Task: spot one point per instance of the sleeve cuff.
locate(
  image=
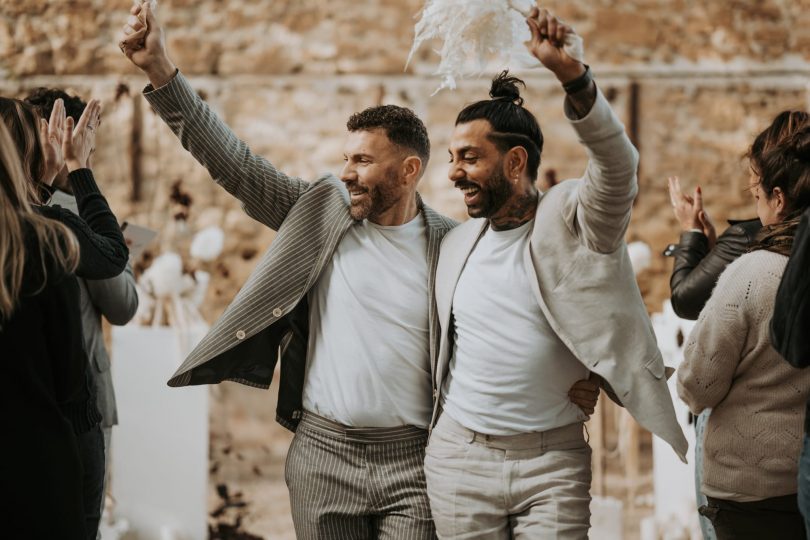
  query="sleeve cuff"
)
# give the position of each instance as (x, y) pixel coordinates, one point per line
(170, 97)
(149, 88)
(600, 123)
(693, 238)
(82, 183)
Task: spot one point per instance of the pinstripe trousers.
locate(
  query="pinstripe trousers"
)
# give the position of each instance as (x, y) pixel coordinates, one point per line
(358, 483)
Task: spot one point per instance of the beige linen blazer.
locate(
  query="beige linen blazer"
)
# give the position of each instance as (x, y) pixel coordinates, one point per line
(584, 282)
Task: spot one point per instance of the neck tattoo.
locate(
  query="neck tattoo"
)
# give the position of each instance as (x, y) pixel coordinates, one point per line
(517, 212)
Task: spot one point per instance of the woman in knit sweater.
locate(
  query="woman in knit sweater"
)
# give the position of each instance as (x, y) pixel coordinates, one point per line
(45, 399)
(754, 434)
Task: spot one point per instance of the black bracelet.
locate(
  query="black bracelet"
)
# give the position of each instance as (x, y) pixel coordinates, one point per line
(580, 83)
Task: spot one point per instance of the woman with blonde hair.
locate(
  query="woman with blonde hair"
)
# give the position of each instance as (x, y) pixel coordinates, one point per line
(44, 397)
(754, 434)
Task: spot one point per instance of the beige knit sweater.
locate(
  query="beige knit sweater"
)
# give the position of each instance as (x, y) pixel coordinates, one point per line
(753, 437)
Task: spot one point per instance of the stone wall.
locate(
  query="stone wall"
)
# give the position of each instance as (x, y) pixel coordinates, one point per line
(693, 82)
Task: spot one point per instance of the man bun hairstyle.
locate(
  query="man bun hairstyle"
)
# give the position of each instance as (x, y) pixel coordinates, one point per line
(512, 124)
(42, 99)
(787, 166)
(401, 125)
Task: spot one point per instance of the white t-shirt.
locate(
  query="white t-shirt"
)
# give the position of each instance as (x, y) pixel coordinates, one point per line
(368, 361)
(509, 372)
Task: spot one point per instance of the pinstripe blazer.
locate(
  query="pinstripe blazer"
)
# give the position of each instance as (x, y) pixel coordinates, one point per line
(268, 319)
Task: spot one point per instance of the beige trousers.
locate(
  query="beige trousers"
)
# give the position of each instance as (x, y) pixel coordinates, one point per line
(529, 486)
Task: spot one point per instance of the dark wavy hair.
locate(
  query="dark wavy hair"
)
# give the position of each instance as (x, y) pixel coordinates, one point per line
(401, 125)
(42, 99)
(512, 124)
(787, 166)
(784, 125)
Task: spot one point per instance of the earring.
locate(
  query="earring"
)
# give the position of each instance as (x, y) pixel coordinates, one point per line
(516, 179)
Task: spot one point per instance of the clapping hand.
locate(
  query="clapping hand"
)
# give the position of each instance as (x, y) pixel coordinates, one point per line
(51, 133)
(79, 142)
(689, 210)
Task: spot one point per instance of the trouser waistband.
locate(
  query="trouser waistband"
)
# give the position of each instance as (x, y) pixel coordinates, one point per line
(521, 441)
(361, 434)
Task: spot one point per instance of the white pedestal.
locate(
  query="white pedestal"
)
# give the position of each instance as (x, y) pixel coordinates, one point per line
(160, 447)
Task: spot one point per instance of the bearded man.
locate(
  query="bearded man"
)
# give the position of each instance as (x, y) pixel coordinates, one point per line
(534, 293)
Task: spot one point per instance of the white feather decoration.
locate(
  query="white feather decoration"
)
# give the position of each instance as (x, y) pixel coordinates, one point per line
(640, 256)
(165, 276)
(475, 32)
(207, 244)
(196, 296)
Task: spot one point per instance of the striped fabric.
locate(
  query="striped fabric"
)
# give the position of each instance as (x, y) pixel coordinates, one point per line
(310, 218)
(358, 483)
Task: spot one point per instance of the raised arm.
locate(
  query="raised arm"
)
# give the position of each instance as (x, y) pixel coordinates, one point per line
(605, 196)
(266, 193)
(103, 251)
(697, 268)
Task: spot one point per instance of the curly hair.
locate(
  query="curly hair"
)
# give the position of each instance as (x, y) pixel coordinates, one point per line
(401, 125)
(42, 99)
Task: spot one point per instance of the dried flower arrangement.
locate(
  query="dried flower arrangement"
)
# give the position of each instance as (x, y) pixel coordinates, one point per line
(173, 284)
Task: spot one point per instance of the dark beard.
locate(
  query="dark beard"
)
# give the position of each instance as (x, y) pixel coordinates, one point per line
(380, 199)
(494, 196)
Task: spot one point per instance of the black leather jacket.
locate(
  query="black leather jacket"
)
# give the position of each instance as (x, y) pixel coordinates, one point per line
(696, 268)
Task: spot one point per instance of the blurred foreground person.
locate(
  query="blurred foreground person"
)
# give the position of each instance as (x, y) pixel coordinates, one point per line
(701, 256)
(42, 363)
(46, 148)
(344, 296)
(116, 299)
(754, 433)
(789, 334)
(534, 293)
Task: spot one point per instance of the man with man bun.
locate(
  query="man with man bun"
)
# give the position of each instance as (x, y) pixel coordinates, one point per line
(534, 293)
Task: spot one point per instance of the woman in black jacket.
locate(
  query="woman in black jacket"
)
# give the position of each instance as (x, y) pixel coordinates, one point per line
(700, 256)
(45, 383)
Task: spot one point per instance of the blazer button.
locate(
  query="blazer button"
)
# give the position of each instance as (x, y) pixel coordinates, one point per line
(277, 312)
(240, 334)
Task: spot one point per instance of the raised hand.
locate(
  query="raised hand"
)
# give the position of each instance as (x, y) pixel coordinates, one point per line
(548, 38)
(79, 143)
(144, 44)
(51, 133)
(684, 206)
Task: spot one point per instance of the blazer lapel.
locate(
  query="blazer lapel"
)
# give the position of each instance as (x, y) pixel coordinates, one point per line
(436, 229)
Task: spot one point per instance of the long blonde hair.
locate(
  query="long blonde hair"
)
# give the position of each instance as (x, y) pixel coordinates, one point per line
(55, 241)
